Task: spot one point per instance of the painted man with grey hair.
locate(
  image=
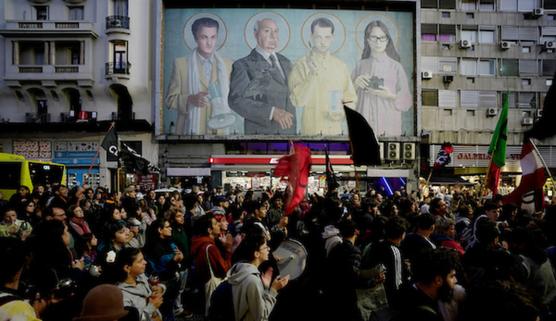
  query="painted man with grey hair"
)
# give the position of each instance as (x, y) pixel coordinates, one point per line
(259, 85)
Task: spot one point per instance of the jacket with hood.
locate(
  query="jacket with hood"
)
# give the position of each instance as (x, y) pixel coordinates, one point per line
(252, 302)
(220, 262)
(331, 237)
(138, 296)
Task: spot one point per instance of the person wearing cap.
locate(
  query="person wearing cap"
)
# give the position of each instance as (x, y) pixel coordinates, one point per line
(103, 303)
(137, 233)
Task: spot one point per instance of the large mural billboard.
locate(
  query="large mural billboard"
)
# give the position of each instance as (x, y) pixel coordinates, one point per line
(287, 71)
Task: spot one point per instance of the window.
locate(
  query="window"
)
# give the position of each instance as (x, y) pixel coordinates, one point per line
(486, 36)
(120, 57)
(528, 67)
(487, 98)
(42, 12)
(447, 98)
(447, 4)
(548, 67)
(548, 34)
(549, 4)
(508, 33)
(469, 34)
(429, 97)
(428, 32)
(527, 5)
(429, 4)
(512, 96)
(469, 99)
(447, 33)
(75, 13)
(468, 67)
(486, 67)
(508, 5)
(486, 5)
(509, 67)
(526, 100)
(468, 5)
(120, 8)
(447, 65)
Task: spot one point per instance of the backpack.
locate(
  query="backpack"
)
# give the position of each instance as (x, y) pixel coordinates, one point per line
(222, 303)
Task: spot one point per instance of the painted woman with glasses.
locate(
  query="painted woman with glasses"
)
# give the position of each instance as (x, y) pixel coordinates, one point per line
(381, 82)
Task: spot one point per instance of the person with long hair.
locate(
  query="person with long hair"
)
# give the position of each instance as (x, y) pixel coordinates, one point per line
(381, 82)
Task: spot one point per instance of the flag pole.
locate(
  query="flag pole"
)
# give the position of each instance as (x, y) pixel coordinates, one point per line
(98, 152)
(541, 158)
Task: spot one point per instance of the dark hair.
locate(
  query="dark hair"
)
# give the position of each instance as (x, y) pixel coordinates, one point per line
(323, 23)
(14, 252)
(202, 224)
(245, 252)
(395, 227)
(432, 263)
(434, 205)
(390, 49)
(424, 221)
(203, 22)
(125, 256)
(114, 227)
(347, 228)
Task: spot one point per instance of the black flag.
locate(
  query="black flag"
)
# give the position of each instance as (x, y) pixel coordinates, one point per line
(364, 146)
(133, 161)
(544, 127)
(331, 181)
(110, 142)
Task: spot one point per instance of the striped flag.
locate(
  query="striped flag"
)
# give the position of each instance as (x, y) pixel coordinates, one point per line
(497, 148)
(529, 193)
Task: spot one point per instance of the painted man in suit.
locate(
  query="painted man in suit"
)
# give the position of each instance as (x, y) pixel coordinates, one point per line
(259, 86)
(196, 79)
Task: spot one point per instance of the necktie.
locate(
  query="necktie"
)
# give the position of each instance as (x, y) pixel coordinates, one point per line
(275, 68)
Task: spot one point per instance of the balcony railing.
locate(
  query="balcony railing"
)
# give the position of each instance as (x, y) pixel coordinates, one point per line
(30, 69)
(60, 69)
(121, 22)
(121, 68)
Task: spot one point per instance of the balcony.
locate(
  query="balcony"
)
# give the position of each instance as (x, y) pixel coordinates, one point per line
(81, 73)
(118, 70)
(118, 24)
(57, 28)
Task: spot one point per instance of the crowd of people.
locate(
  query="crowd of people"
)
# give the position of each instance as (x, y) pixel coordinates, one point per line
(450, 255)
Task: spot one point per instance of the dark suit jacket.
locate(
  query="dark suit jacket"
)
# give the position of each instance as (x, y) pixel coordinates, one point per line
(254, 90)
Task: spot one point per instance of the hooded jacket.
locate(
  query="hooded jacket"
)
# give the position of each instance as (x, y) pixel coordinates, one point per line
(137, 296)
(252, 302)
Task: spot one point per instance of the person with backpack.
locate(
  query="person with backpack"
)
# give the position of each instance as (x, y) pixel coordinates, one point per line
(253, 293)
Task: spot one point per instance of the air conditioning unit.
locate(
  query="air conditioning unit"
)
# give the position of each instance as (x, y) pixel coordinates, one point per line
(505, 45)
(464, 44)
(392, 151)
(426, 75)
(538, 113)
(408, 151)
(527, 121)
(492, 111)
(549, 45)
(537, 12)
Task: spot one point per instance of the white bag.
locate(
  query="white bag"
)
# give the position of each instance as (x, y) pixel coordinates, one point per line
(211, 284)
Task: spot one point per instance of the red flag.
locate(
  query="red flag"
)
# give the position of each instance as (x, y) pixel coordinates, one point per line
(296, 167)
(532, 181)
